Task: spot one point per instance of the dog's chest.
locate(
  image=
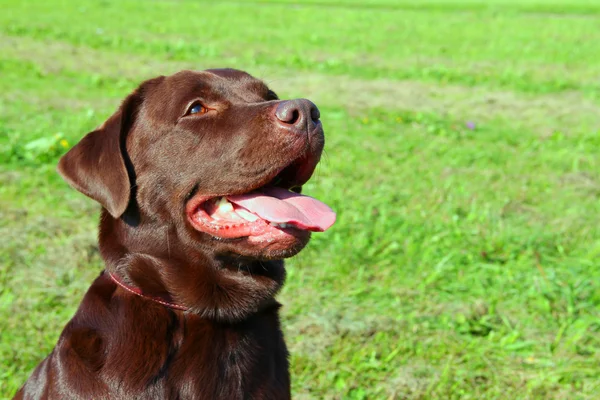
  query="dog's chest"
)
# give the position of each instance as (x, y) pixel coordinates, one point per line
(199, 359)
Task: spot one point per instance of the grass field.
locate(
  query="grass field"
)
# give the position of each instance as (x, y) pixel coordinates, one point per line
(462, 158)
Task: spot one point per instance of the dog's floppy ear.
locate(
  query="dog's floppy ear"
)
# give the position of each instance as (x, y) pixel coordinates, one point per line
(96, 165)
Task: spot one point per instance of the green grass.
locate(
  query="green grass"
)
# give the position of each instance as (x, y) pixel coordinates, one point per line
(464, 263)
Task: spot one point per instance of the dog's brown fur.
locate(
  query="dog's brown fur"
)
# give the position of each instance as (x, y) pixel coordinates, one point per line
(143, 165)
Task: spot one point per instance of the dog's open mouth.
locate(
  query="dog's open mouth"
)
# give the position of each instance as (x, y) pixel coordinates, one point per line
(269, 212)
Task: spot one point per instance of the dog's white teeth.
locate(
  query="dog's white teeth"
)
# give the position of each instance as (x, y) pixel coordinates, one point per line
(224, 206)
(247, 215)
(280, 225)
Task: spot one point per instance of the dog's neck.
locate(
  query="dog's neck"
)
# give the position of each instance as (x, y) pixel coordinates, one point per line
(221, 288)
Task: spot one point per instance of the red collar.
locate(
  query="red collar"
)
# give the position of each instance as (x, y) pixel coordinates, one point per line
(138, 292)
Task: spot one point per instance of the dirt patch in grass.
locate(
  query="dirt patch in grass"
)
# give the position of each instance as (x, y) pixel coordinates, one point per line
(583, 182)
(568, 112)
(541, 113)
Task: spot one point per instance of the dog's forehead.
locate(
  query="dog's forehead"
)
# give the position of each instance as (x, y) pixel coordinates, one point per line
(225, 83)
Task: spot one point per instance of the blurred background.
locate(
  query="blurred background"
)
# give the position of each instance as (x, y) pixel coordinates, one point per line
(462, 159)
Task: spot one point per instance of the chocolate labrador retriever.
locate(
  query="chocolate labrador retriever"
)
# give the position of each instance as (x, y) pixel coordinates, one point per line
(199, 176)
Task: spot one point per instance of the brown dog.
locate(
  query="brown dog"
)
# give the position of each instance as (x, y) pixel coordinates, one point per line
(194, 173)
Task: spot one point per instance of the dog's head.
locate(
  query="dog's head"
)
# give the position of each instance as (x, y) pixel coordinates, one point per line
(214, 154)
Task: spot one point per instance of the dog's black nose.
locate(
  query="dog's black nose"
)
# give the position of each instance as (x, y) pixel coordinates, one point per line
(300, 114)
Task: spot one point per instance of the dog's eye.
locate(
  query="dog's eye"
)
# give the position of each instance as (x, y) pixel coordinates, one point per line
(197, 108)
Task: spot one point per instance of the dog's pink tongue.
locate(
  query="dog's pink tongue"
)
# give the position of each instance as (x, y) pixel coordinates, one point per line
(281, 206)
